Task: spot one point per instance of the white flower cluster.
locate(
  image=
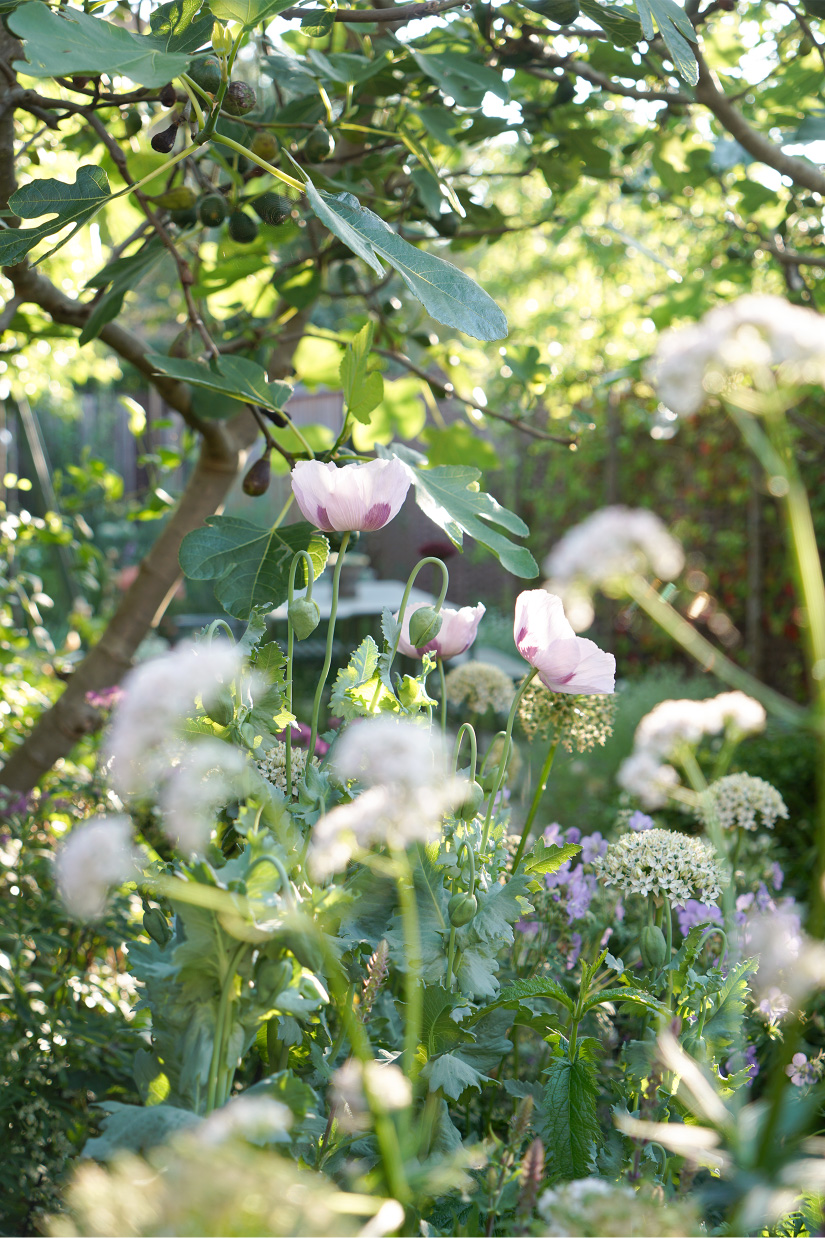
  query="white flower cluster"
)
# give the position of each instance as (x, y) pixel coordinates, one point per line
(96, 856)
(260, 1119)
(388, 1086)
(612, 544)
(272, 766)
(751, 334)
(479, 686)
(672, 724)
(740, 801)
(791, 964)
(205, 777)
(403, 768)
(663, 862)
(594, 1207)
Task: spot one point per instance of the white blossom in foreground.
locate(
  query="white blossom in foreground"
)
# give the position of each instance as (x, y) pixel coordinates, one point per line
(159, 695)
(751, 334)
(643, 775)
(612, 544)
(206, 777)
(740, 801)
(663, 862)
(596, 1206)
(408, 789)
(96, 856)
(738, 712)
(791, 964)
(388, 1087)
(260, 1119)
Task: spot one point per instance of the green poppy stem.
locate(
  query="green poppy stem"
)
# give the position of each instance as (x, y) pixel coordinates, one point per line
(505, 752)
(319, 691)
(541, 786)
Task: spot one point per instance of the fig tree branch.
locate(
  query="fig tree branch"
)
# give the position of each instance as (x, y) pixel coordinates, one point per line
(401, 13)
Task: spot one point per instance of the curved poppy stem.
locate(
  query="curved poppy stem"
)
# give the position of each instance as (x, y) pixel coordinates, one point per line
(333, 611)
(445, 580)
(505, 753)
(467, 729)
(440, 664)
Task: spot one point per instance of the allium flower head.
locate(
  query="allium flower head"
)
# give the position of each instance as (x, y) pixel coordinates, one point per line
(479, 686)
(663, 862)
(740, 801)
(751, 334)
(642, 774)
(159, 695)
(612, 544)
(387, 1085)
(738, 712)
(457, 633)
(272, 766)
(96, 856)
(356, 497)
(671, 724)
(578, 722)
(565, 662)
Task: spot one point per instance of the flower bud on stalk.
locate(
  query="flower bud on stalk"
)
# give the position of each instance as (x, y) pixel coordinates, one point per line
(304, 616)
(520, 1122)
(462, 908)
(425, 624)
(472, 802)
(653, 946)
(157, 926)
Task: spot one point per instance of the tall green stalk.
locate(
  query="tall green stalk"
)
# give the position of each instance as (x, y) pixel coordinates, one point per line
(319, 691)
(310, 573)
(541, 787)
(505, 753)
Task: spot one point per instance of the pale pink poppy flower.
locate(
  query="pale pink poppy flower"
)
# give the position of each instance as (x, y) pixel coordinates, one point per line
(565, 662)
(359, 497)
(457, 633)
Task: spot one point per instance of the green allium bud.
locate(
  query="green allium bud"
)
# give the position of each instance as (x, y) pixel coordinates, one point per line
(304, 616)
(425, 624)
(653, 946)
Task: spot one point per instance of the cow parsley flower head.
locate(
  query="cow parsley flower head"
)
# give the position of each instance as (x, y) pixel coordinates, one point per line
(479, 686)
(388, 1086)
(207, 775)
(791, 964)
(578, 722)
(96, 856)
(737, 712)
(669, 725)
(646, 777)
(754, 333)
(158, 696)
(663, 862)
(260, 1119)
(740, 801)
(596, 1206)
(611, 545)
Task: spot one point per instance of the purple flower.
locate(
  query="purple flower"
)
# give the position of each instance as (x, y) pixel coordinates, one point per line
(573, 835)
(565, 662)
(740, 1061)
(593, 845)
(559, 877)
(580, 891)
(356, 497)
(575, 950)
(528, 928)
(106, 698)
(694, 913)
(553, 834)
(301, 734)
(777, 877)
(641, 821)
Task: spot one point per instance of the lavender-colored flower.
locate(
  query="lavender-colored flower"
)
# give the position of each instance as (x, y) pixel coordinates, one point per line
(553, 834)
(639, 821)
(592, 845)
(580, 891)
(777, 877)
(573, 834)
(574, 951)
(694, 913)
(357, 497)
(565, 662)
(457, 633)
(528, 928)
(106, 697)
(741, 1061)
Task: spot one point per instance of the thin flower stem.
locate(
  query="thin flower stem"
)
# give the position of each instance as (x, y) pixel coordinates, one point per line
(316, 707)
(440, 664)
(467, 729)
(541, 787)
(310, 571)
(502, 765)
(450, 958)
(215, 1065)
(413, 992)
(445, 580)
(668, 923)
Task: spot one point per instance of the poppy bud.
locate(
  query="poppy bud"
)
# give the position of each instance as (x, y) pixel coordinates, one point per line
(472, 802)
(653, 946)
(425, 624)
(304, 616)
(156, 925)
(461, 909)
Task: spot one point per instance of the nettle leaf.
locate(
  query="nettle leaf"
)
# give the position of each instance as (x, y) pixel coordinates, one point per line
(247, 12)
(249, 564)
(135, 1128)
(623, 27)
(632, 996)
(181, 25)
(524, 990)
(446, 293)
(548, 859)
(124, 274)
(445, 494)
(363, 391)
(566, 1120)
(235, 376)
(69, 204)
(723, 1025)
(677, 31)
(59, 45)
(452, 1076)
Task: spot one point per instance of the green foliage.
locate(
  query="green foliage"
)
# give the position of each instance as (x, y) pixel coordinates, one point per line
(567, 1121)
(235, 376)
(69, 204)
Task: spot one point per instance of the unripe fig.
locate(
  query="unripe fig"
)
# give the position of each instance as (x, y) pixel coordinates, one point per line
(242, 228)
(446, 225)
(212, 210)
(304, 616)
(319, 145)
(653, 946)
(471, 804)
(461, 909)
(180, 199)
(258, 477)
(425, 624)
(168, 95)
(157, 926)
(206, 72)
(221, 707)
(239, 99)
(164, 141)
(272, 208)
(264, 145)
(132, 122)
(184, 219)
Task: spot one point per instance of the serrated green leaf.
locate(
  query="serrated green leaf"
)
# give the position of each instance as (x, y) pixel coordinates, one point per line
(446, 293)
(69, 204)
(623, 994)
(566, 1120)
(181, 25)
(723, 1024)
(250, 565)
(362, 391)
(676, 30)
(621, 24)
(548, 859)
(452, 1076)
(234, 376)
(59, 45)
(444, 494)
(541, 986)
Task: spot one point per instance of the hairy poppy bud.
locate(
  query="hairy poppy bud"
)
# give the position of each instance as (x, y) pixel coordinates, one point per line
(472, 802)
(653, 946)
(304, 616)
(425, 624)
(156, 925)
(461, 909)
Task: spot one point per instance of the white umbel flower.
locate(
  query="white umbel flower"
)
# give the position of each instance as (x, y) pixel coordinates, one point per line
(663, 862)
(791, 964)
(260, 1119)
(750, 334)
(672, 723)
(612, 544)
(97, 856)
(740, 801)
(207, 776)
(388, 1086)
(642, 774)
(384, 751)
(738, 712)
